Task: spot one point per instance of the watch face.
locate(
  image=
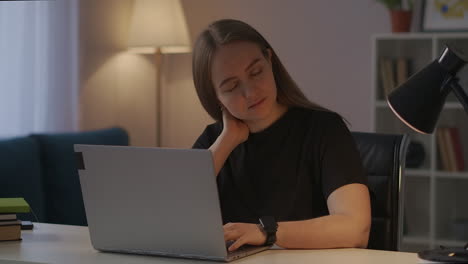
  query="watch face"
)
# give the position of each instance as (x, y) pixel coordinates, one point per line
(269, 223)
(270, 227)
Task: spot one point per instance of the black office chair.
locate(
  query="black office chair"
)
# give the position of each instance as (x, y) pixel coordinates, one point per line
(383, 156)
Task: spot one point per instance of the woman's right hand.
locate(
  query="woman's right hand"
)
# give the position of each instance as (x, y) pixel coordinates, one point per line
(234, 133)
(234, 129)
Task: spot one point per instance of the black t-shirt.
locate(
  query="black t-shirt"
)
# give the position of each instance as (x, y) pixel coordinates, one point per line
(287, 170)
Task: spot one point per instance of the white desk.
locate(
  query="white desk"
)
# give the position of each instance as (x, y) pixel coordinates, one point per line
(71, 244)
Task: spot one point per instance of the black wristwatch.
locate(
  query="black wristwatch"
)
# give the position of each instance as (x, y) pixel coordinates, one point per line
(269, 227)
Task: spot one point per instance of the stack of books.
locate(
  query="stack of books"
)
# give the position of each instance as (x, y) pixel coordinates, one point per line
(10, 226)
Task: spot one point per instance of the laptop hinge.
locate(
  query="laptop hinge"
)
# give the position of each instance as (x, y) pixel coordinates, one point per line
(79, 160)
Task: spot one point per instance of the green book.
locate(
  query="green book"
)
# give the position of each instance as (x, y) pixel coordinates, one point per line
(13, 205)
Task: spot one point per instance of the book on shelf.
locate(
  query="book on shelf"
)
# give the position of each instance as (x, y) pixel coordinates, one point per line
(393, 72)
(450, 149)
(455, 139)
(402, 71)
(386, 75)
(442, 149)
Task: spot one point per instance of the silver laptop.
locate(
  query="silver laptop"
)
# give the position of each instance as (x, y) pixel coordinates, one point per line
(153, 201)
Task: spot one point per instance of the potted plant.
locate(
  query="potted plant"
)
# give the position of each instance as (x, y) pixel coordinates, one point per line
(400, 14)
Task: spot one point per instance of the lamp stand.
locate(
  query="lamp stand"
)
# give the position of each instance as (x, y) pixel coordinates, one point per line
(158, 58)
(446, 255)
(452, 254)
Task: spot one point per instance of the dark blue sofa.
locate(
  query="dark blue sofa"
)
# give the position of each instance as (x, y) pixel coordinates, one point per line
(42, 169)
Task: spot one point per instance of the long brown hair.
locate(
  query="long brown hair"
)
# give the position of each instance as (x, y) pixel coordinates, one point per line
(225, 31)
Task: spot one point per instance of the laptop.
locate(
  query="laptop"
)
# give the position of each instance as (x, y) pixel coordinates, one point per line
(153, 201)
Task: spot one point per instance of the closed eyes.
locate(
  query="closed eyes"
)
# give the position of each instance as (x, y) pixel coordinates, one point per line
(235, 84)
(257, 72)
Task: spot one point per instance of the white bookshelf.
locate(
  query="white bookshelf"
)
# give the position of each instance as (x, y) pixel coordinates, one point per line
(434, 198)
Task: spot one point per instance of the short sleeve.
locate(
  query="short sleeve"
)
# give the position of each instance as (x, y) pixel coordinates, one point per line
(208, 137)
(340, 159)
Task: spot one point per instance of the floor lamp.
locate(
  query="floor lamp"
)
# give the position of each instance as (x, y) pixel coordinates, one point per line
(158, 27)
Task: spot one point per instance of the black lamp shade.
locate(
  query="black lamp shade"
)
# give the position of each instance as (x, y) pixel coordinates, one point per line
(419, 101)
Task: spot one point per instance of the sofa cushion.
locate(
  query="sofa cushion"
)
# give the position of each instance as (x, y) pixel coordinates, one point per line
(20, 175)
(64, 201)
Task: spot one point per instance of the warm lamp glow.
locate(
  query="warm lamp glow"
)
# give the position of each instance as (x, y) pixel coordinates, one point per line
(158, 24)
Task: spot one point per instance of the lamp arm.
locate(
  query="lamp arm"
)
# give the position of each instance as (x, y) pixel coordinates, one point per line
(460, 94)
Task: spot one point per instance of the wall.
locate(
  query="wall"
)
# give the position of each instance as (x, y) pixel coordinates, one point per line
(102, 37)
(117, 88)
(325, 46)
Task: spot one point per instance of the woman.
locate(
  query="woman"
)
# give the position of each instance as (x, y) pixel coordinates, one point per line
(276, 154)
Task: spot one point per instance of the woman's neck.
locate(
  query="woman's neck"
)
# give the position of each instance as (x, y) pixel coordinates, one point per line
(261, 124)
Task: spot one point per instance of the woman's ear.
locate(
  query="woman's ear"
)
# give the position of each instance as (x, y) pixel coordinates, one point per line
(220, 105)
(268, 54)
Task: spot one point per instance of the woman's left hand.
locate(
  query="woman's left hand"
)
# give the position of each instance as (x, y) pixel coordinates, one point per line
(243, 233)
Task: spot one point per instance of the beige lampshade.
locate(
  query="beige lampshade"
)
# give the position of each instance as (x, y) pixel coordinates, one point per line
(158, 24)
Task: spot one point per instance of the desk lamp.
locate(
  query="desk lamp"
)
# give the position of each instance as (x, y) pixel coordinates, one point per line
(418, 103)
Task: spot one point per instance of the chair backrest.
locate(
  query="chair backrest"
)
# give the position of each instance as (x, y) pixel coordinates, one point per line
(383, 156)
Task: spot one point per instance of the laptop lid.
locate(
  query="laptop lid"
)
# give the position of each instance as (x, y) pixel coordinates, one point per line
(152, 200)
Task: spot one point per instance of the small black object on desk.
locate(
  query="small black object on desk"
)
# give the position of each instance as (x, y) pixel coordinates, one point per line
(26, 225)
(448, 255)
